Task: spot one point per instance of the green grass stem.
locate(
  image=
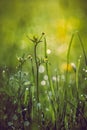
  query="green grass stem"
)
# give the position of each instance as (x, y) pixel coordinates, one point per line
(83, 49)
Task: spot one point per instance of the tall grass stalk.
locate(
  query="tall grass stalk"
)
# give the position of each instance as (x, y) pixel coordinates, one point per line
(59, 103)
(66, 80)
(66, 74)
(83, 49)
(20, 67)
(77, 80)
(69, 48)
(37, 72)
(76, 74)
(73, 106)
(47, 68)
(51, 85)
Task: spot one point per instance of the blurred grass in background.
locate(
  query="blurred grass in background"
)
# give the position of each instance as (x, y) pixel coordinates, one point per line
(57, 18)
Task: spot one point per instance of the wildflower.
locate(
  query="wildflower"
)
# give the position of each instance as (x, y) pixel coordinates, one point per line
(45, 77)
(63, 77)
(73, 66)
(47, 109)
(69, 67)
(50, 93)
(86, 71)
(48, 51)
(81, 95)
(54, 78)
(27, 89)
(26, 84)
(3, 73)
(41, 69)
(43, 82)
(38, 105)
(85, 78)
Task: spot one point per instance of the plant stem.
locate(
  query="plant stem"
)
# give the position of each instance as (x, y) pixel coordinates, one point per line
(82, 48)
(45, 47)
(66, 78)
(37, 74)
(68, 52)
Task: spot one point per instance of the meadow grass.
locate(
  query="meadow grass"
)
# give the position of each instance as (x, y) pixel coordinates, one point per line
(40, 99)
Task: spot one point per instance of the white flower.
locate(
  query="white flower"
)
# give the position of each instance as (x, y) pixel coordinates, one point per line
(27, 83)
(81, 95)
(86, 71)
(63, 77)
(47, 109)
(38, 105)
(54, 78)
(27, 89)
(73, 66)
(45, 77)
(50, 93)
(48, 51)
(43, 82)
(41, 69)
(85, 78)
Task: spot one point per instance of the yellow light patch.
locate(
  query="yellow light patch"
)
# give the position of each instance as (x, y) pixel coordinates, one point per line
(65, 27)
(68, 67)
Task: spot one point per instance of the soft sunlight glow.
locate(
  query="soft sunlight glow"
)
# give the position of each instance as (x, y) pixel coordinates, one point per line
(65, 27)
(70, 67)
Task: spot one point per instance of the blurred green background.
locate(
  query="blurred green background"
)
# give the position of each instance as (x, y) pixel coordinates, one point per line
(57, 18)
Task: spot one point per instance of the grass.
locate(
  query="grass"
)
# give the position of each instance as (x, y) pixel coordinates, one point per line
(39, 99)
